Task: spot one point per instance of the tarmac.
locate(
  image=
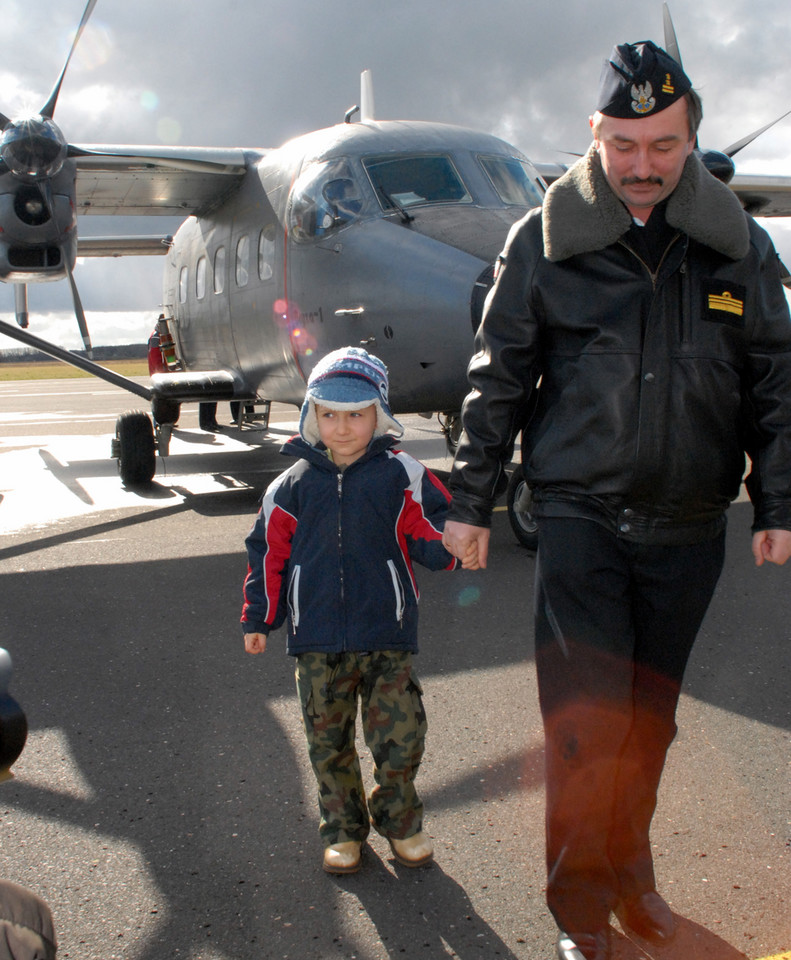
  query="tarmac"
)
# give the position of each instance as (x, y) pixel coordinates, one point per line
(163, 805)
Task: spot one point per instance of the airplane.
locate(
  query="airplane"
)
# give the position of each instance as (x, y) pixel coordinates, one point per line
(369, 232)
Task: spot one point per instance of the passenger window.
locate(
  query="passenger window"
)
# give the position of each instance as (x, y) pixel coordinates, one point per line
(409, 180)
(200, 278)
(243, 261)
(512, 180)
(266, 252)
(325, 198)
(183, 280)
(219, 270)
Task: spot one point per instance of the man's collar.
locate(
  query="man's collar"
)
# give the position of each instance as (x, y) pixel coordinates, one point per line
(582, 214)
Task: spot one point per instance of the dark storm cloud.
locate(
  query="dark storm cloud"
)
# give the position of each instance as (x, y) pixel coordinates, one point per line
(258, 73)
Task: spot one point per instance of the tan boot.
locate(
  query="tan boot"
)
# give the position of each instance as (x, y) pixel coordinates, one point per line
(413, 851)
(343, 857)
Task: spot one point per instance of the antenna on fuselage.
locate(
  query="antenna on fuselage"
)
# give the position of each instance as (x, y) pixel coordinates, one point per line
(366, 97)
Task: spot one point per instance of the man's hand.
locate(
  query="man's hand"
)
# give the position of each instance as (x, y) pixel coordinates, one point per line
(771, 545)
(255, 642)
(467, 542)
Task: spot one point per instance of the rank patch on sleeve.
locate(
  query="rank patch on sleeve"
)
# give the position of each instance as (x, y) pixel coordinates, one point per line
(724, 303)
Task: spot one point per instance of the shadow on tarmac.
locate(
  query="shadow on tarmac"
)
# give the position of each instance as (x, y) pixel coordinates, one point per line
(192, 752)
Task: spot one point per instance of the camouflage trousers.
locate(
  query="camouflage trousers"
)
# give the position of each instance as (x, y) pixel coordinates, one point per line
(329, 687)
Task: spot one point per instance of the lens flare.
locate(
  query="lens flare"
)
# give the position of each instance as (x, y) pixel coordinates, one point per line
(469, 596)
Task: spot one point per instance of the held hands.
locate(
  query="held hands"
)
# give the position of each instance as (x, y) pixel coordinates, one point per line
(470, 559)
(467, 542)
(255, 642)
(772, 545)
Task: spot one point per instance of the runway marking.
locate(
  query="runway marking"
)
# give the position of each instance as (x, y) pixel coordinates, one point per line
(779, 956)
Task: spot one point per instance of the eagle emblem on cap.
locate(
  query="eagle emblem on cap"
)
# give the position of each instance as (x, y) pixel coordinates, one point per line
(643, 100)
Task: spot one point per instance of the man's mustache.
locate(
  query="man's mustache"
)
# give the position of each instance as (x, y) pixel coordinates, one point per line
(637, 181)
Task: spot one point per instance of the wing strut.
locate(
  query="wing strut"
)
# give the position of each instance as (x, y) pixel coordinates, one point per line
(75, 360)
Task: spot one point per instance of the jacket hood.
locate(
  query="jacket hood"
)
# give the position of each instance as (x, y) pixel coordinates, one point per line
(582, 214)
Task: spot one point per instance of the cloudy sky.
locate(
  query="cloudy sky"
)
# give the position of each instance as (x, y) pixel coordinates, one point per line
(255, 73)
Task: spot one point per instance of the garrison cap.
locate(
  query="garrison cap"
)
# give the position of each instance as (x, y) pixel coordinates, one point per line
(638, 80)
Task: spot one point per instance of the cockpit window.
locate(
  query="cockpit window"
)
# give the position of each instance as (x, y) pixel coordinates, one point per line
(325, 198)
(406, 181)
(512, 180)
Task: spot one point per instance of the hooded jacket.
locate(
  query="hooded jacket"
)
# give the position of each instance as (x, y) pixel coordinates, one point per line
(331, 551)
(653, 382)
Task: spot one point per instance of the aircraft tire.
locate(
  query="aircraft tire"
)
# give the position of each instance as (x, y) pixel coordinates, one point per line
(164, 410)
(136, 449)
(519, 500)
(452, 430)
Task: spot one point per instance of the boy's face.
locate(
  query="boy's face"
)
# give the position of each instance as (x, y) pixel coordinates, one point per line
(346, 433)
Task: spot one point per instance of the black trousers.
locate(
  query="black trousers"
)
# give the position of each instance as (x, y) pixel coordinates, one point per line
(615, 625)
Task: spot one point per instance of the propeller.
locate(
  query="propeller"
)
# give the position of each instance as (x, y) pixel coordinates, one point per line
(717, 162)
(49, 106)
(34, 149)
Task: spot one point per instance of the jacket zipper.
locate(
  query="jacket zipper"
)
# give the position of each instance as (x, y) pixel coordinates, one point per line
(340, 548)
(652, 274)
(685, 319)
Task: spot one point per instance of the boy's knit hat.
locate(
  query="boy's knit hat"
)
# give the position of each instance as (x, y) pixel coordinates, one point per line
(348, 379)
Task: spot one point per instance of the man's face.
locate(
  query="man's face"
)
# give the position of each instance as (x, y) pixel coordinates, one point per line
(643, 158)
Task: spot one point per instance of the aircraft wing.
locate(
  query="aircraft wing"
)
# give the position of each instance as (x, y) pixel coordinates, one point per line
(150, 181)
(762, 195)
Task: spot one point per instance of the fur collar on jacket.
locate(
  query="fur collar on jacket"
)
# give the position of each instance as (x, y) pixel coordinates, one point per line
(582, 214)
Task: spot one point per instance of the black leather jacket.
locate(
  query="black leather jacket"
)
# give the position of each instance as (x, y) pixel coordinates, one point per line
(653, 383)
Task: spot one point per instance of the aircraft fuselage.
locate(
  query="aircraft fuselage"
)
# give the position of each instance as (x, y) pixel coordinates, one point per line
(379, 233)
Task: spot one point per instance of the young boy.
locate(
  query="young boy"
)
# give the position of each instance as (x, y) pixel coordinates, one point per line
(331, 551)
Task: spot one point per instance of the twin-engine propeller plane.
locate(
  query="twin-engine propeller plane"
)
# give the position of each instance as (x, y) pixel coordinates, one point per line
(369, 232)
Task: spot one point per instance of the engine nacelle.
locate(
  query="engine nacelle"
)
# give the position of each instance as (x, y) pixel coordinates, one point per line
(34, 245)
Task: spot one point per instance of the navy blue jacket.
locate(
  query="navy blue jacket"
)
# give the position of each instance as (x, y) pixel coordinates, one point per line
(332, 550)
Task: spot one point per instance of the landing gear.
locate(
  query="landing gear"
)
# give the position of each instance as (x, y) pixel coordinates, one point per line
(165, 410)
(134, 448)
(519, 499)
(451, 430)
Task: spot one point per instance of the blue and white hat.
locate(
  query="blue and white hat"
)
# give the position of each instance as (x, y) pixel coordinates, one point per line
(348, 379)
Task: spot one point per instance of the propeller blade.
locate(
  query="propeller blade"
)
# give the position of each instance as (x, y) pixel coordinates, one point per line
(49, 107)
(20, 301)
(45, 188)
(80, 314)
(671, 43)
(740, 144)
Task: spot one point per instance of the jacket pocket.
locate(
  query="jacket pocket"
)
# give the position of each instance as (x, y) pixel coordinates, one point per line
(293, 597)
(398, 590)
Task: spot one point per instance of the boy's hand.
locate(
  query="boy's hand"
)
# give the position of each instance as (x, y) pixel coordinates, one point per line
(470, 559)
(255, 642)
(457, 537)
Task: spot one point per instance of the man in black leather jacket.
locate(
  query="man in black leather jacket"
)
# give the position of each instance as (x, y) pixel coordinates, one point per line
(649, 306)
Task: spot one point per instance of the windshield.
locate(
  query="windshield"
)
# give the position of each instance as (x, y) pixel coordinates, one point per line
(512, 181)
(324, 199)
(405, 181)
